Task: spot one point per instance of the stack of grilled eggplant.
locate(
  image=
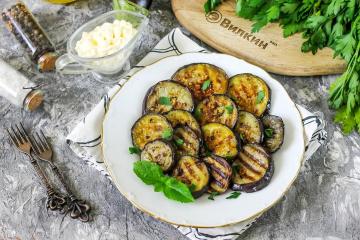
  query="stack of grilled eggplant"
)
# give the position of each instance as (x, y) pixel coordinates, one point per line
(209, 131)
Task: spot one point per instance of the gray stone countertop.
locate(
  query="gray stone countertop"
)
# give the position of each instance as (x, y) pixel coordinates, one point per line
(323, 203)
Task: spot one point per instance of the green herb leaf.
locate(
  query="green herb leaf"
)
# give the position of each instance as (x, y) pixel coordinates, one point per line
(241, 135)
(269, 132)
(165, 101)
(235, 168)
(197, 113)
(260, 97)
(233, 195)
(229, 109)
(179, 141)
(151, 174)
(212, 195)
(206, 85)
(134, 150)
(167, 134)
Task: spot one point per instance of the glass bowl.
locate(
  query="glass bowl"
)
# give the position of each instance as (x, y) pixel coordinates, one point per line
(107, 68)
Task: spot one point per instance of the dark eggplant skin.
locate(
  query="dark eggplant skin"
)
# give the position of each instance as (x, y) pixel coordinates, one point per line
(219, 83)
(192, 172)
(147, 128)
(162, 148)
(220, 140)
(191, 142)
(276, 123)
(255, 154)
(248, 98)
(220, 171)
(246, 132)
(165, 109)
(183, 118)
(213, 109)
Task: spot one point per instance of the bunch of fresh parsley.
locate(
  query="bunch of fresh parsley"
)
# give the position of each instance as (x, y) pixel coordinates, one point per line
(323, 23)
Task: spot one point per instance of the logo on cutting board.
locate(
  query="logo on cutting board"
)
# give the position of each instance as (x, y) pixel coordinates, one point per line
(216, 17)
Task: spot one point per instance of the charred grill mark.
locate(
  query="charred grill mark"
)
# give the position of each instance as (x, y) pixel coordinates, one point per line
(249, 167)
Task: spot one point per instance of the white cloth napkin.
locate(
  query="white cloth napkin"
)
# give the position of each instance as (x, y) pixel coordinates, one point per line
(85, 139)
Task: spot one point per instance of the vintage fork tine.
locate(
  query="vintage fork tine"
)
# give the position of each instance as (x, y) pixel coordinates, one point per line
(13, 139)
(23, 138)
(18, 138)
(47, 144)
(40, 142)
(25, 132)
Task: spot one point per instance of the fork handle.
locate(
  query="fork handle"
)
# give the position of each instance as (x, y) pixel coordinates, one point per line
(78, 208)
(55, 201)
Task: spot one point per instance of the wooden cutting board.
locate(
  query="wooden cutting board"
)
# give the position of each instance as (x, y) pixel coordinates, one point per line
(227, 33)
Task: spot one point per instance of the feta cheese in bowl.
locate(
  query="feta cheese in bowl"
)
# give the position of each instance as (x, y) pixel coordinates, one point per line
(103, 46)
(105, 39)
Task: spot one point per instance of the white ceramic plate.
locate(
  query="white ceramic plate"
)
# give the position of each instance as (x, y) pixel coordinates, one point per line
(126, 108)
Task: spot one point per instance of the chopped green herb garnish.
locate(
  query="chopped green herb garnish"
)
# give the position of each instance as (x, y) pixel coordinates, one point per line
(206, 85)
(234, 195)
(165, 101)
(197, 113)
(192, 187)
(269, 132)
(235, 168)
(212, 195)
(260, 97)
(179, 141)
(167, 134)
(151, 174)
(134, 150)
(241, 135)
(229, 109)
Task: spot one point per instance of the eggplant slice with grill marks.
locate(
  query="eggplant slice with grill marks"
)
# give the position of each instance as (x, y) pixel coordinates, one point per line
(194, 173)
(249, 128)
(250, 93)
(217, 109)
(166, 96)
(202, 79)
(252, 170)
(220, 171)
(159, 152)
(274, 132)
(220, 140)
(149, 128)
(186, 141)
(183, 118)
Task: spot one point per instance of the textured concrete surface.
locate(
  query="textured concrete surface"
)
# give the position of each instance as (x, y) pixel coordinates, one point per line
(324, 202)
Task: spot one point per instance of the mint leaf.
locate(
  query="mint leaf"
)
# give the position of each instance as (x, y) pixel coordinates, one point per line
(233, 195)
(134, 150)
(212, 195)
(197, 113)
(179, 141)
(151, 174)
(206, 85)
(229, 109)
(260, 97)
(177, 190)
(269, 132)
(165, 101)
(167, 134)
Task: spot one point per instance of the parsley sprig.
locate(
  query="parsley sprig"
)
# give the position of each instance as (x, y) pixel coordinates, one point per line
(330, 23)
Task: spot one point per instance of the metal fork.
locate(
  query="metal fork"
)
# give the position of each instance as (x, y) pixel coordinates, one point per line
(20, 138)
(42, 148)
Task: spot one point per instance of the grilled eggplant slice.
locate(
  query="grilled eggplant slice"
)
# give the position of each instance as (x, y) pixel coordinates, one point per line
(187, 142)
(183, 118)
(166, 96)
(220, 140)
(253, 169)
(249, 128)
(202, 79)
(193, 173)
(217, 109)
(250, 93)
(220, 171)
(149, 128)
(159, 152)
(274, 132)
